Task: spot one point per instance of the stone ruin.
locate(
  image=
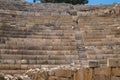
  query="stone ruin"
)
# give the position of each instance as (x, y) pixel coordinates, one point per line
(59, 41)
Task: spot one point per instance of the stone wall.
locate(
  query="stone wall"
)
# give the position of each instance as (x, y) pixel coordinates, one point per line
(71, 73)
(67, 73)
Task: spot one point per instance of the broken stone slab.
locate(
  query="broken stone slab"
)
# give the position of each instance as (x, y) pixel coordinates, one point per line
(113, 62)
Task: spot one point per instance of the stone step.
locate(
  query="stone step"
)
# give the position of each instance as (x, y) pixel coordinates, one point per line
(90, 63)
(18, 66)
(40, 47)
(40, 42)
(103, 51)
(43, 43)
(113, 39)
(99, 29)
(25, 66)
(50, 37)
(38, 57)
(38, 28)
(94, 36)
(32, 35)
(102, 43)
(39, 37)
(42, 62)
(13, 71)
(115, 78)
(38, 52)
(93, 40)
(41, 33)
(47, 31)
(103, 56)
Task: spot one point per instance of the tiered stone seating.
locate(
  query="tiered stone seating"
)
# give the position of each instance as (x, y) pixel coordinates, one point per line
(100, 38)
(48, 37)
(35, 41)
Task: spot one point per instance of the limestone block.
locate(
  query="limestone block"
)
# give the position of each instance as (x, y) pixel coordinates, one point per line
(91, 56)
(2, 76)
(90, 63)
(79, 75)
(63, 73)
(117, 8)
(102, 62)
(51, 61)
(32, 61)
(61, 62)
(100, 77)
(62, 78)
(8, 61)
(12, 67)
(24, 67)
(115, 71)
(41, 61)
(115, 78)
(88, 72)
(113, 62)
(52, 78)
(2, 67)
(57, 78)
(21, 61)
(31, 66)
(102, 73)
(51, 73)
(37, 77)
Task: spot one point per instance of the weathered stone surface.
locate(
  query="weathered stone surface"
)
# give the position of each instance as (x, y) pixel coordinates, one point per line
(103, 73)
(79, 75)
(99, 73)
(115, 78)
(112, 62)
(90, 63)
(63, 73)
(115, 71)
(35, 35)
(2, 76)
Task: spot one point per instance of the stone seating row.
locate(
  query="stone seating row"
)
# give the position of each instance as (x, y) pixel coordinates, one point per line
(38, 52)
(39, 57)
(41, 62)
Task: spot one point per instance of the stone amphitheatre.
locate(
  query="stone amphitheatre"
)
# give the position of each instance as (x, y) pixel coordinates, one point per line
(59, 41)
